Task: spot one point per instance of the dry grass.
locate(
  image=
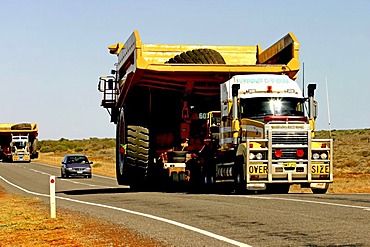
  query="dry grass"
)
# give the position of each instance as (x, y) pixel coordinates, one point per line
(26, 222)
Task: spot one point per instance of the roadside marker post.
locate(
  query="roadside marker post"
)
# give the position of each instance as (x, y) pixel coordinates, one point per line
(52, 197)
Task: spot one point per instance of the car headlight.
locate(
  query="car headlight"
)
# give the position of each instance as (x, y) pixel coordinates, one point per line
(88, 169)
(315, 156)
(69, 168)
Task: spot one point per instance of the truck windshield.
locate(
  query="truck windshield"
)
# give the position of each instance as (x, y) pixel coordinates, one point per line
(20, 144)
(257, 108)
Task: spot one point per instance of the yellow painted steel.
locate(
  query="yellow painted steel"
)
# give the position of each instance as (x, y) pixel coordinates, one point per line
(146, 65)
(281, 57)
(7, 128)
(116, 48)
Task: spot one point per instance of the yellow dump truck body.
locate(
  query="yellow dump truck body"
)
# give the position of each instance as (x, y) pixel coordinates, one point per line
(147, 64)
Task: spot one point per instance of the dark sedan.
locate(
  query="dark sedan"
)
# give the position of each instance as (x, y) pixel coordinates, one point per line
(76, 165)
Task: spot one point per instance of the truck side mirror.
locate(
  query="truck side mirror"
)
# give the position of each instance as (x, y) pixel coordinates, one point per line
(312, 102)
(311, 90)
(315, 109)
(100, 87)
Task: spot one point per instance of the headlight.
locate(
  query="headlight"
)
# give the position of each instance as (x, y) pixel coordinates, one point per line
(88, 169)
(251, 156)
(315, 156)
(69, 168)
(259, 156)
(324, 156)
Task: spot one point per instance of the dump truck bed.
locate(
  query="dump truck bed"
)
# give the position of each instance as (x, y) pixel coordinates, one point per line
(147, 65)
(21, 128)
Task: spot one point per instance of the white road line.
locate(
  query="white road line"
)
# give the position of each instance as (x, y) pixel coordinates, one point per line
(44, 173)
(306, 201)
(91, 185)
(191, 228)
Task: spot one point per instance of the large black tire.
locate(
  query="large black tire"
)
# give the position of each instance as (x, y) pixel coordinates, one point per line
(34, 153)
(132, 154)
(202, 177)
(21, 126)
(137, 156)
(239, 178)
(121, 140)
(198, 56)
(320, 191)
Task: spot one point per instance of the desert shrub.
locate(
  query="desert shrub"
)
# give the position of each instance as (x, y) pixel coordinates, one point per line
(45, 149)
(96, 165)
(63, 144)
(78, 149)
(365, 138)
(60, 148)
(364, 153)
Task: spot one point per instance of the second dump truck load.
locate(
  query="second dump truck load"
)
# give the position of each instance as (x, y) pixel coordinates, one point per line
(202, 116)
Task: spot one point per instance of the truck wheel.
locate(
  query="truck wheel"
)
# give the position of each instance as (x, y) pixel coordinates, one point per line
(138, 155)
(319, 191)
(34, 153)
(198, 56)
(201, 179)
(121, 165)
(239, 180)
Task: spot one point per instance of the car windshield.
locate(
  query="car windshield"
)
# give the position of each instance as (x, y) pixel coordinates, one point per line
(77, 159)
(257, 108)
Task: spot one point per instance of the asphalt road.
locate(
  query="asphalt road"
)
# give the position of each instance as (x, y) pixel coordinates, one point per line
(181, 219)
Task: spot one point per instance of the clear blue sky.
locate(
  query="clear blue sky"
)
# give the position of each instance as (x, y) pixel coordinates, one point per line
(53, 52)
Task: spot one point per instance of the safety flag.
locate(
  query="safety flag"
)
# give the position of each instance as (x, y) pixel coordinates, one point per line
(123, 148)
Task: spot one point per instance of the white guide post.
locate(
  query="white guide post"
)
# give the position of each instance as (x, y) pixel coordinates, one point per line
(52, 197)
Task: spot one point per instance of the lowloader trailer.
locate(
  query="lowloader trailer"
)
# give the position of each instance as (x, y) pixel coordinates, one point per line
(18, 142)
(205, 116)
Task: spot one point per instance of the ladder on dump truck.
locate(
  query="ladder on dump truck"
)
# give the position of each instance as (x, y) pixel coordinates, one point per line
(108, 86)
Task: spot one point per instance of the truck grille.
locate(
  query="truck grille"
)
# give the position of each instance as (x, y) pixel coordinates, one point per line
(289, 138)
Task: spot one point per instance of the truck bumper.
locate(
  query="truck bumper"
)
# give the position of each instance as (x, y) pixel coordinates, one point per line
(21, 158)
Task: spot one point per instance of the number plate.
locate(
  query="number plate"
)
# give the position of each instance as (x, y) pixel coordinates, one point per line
(320, 169)
(79, 172)
(257, 169)
(289, 164)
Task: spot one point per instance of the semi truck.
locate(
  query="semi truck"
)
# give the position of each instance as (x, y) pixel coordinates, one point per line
(18, 142)
(206, 116)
